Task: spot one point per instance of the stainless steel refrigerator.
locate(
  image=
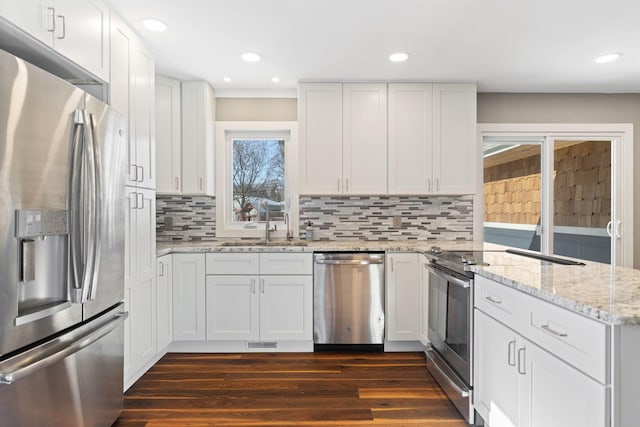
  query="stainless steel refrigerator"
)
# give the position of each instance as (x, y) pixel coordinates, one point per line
(62, 215)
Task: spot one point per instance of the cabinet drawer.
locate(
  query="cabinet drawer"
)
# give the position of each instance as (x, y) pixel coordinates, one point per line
(581, 342)
(498, 301)
(233, 263)
(289, 263)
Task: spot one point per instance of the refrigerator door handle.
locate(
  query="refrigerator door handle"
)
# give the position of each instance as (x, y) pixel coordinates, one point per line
(56, 350)
(84, 209)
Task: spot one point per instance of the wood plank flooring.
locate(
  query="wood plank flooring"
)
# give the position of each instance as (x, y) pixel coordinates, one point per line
(288, 389)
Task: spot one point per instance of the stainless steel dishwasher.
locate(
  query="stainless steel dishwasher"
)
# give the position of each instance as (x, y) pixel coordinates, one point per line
(348, 298)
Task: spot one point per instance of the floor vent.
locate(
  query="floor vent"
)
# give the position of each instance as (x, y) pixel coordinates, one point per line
(261, 344)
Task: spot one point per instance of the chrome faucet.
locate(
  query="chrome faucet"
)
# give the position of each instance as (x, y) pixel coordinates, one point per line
(286, 221)
(267, 229)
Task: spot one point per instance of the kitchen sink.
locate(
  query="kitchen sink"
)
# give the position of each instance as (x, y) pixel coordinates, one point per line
(269, 243)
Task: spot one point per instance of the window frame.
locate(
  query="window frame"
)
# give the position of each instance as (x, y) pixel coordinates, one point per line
(226, 132)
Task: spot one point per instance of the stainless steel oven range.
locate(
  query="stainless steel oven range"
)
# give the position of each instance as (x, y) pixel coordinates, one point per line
(450, 352)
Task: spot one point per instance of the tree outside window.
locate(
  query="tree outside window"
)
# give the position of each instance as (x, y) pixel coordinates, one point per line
(258, 180)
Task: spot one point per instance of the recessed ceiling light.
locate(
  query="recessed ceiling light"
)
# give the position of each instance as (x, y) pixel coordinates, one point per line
(275, 79)
(251, 57)
(152, 24)
(227, 79)
(609, 57)
(398, 57)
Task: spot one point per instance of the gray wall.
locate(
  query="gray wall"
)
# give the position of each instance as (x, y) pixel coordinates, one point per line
(257, 109)
(570, 108)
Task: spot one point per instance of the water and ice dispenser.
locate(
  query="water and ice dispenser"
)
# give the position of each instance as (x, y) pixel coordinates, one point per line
(43, 242)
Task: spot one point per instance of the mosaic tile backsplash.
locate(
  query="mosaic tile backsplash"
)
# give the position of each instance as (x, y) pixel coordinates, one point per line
(193, 218)
(372, 217)
(185, 218)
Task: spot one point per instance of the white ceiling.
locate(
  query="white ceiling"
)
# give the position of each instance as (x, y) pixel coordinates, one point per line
(503, 45)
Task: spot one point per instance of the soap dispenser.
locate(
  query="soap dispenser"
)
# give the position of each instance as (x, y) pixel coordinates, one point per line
(309, 231)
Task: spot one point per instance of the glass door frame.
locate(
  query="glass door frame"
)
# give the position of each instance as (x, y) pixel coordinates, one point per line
(621, 137)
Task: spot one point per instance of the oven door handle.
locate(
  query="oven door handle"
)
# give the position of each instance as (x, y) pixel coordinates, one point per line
(449, 278)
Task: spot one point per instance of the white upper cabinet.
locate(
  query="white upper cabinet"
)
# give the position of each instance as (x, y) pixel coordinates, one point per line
(454, 138)
(168, 136)
(77, 29)
(343, 138)
(346, 148)
(198, 115)
(320, 133)
(143, 129)
(132, 93)
(410, 138)
(432, 131)
(364, 147)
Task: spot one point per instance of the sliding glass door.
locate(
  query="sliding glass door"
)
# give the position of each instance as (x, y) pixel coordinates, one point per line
(512, 188)
(554, 195)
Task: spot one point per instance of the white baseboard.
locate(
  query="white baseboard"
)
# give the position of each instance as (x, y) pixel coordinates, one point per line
(397, 346)
(240, 347)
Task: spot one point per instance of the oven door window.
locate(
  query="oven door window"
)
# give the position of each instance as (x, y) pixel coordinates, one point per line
(457, 337)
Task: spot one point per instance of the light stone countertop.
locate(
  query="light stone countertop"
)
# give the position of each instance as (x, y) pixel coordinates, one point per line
(610, 295)
(163, 248)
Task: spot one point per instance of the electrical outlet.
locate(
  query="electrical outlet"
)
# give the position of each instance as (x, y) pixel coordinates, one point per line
(397, 222)
(168, 221)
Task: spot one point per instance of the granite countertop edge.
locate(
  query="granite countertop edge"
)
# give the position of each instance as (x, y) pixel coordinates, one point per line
(567, 303)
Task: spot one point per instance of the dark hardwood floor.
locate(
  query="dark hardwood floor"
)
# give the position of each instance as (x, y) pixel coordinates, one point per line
(288, 389)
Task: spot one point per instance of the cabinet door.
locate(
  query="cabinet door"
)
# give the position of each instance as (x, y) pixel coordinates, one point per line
(365, 138)
(197, 138)
(164, 299)
(145, 247)
(555, 394)
(36, 17)
(168, 146)
(82, 34)
(320, 133)
(233, 311)
(454, 138)
(188, 297)
(496, 379)
(286, 308)
(410, 138)
(120, 80)
(130, 337)
(143, 105)
(424, 315)
(403, 297)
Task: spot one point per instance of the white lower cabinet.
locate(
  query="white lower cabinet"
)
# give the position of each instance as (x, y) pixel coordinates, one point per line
(164, 302)
(403, 305)
(189, 297)
(286, 308)
(517, 383)
(424, 289)
(233, 308)
(270, 305)
(259, 308)
(140, 283)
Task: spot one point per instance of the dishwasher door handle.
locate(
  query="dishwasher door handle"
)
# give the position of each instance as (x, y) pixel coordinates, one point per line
(349, 261)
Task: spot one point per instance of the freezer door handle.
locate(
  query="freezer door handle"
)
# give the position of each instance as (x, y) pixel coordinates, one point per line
(51, 352)
(85, 209)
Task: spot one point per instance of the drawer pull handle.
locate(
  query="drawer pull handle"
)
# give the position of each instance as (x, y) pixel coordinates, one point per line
(553, 331)
(512, 345)
(493, 300)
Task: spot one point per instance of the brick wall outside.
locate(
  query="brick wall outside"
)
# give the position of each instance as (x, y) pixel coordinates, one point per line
(582, 188)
